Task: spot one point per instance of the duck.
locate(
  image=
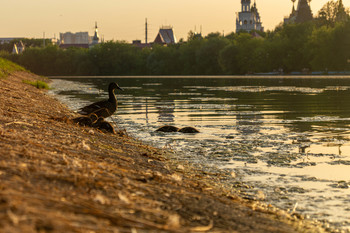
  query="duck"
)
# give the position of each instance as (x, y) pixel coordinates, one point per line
(104, 126)
(167, 129)
(104, 108)
(86, 120)
(188, 130)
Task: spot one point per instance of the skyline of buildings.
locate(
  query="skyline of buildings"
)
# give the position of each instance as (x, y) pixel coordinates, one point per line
(248, 19)
(179, 28)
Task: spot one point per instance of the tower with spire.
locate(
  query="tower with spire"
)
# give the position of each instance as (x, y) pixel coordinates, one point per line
(95, 38)
(249, 18)
(302, 14)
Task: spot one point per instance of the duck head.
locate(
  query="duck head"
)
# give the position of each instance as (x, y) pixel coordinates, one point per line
(113, 86)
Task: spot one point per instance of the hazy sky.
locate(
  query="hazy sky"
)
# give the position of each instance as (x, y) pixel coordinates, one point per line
(125, 19)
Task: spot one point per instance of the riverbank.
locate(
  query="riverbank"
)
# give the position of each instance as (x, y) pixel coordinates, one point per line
(345, 76)
(60, 177)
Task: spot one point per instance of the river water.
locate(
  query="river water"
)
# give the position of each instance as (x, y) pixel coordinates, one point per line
(287, 139)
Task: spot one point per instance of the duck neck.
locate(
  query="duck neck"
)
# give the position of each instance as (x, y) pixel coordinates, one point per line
(112, 97)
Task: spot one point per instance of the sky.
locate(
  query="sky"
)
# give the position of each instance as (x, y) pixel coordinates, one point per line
(125, 19)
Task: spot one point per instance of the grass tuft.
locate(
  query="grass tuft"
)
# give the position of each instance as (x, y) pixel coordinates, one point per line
(37, 84)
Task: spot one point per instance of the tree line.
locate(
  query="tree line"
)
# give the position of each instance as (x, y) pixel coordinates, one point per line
(322, 44)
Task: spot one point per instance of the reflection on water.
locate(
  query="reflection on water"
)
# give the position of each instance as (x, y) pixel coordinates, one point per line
(289, 138)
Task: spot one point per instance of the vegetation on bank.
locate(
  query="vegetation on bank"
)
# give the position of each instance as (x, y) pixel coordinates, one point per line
(7, 67)
(38, 84)
(320, 45)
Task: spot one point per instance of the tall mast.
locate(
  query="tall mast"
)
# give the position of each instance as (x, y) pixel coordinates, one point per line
(146, 32)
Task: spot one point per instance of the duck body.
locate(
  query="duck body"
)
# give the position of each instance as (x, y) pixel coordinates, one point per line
(86, 120)
(104, 108)
(167, 129)
(104, 126)
(83, 121)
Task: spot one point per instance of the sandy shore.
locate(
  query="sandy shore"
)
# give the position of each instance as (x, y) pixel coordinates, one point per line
(60, 177)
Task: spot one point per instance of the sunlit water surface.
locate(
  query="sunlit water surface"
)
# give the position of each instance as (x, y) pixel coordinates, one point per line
(288, 138)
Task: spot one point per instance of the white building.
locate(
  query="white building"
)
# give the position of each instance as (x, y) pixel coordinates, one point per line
(75, 38)
(18, 48)
(79, 39)
(249, 18)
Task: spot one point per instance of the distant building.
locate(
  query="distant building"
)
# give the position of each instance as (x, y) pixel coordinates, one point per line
(193, 35)
(249, 18)
(9, 39)
(197, 35)
(75, 38)
(139, 44)
(165, 36)
(302, 14)
(18, 48)
(79, 39)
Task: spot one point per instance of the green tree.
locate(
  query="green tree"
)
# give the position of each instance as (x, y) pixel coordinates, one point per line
(115, 58)
(250, 53)
(288, 47)
(331, 47)
(164, 60)
(332, 12)
(207, 56)
(229, 59)
(40, 60)
(188, 57)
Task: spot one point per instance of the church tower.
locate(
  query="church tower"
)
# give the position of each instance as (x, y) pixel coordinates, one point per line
(96, 38)
(245, 5)
(301, 14)
(304, 12)
(249, 18)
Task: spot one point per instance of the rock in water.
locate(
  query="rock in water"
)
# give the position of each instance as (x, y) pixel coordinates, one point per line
(188, 130)
(167, 129)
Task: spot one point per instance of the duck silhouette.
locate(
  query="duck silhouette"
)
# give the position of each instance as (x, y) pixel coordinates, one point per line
(86, 120)
(104, 108)
(103, 125)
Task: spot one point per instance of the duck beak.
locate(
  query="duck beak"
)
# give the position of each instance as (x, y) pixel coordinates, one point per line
(118, 87)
